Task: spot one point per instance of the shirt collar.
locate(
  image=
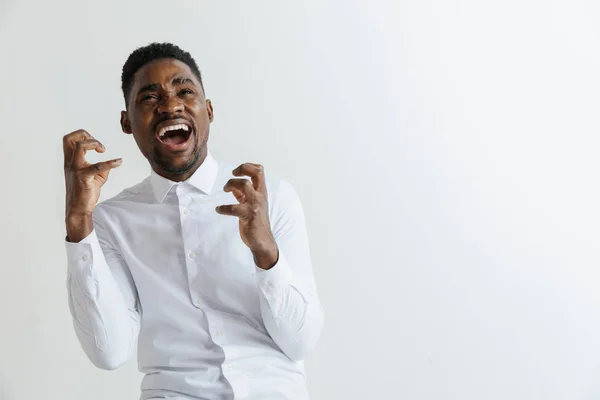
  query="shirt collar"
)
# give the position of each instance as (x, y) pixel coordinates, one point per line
(203, 179)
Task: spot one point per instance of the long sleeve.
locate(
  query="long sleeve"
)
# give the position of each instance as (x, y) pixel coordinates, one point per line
(102, 300)
(290, 307)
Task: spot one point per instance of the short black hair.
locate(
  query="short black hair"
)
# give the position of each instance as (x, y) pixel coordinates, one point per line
(143, 55)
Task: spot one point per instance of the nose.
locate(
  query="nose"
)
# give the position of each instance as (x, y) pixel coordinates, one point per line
(170, 105)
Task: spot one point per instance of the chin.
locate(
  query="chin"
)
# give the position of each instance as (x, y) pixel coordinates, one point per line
(178, 167)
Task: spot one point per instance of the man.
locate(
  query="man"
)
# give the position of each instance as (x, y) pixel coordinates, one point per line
(205, 266)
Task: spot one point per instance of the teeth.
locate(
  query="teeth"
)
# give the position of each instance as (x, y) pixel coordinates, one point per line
(162, 132)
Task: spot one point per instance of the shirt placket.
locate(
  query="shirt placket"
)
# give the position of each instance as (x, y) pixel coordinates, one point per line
(190, 213)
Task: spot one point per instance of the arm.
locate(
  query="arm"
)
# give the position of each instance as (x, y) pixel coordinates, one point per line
(290, 306)
(102, 297)
(102, 300)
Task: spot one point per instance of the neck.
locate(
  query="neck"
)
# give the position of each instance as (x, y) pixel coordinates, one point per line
(184, 176)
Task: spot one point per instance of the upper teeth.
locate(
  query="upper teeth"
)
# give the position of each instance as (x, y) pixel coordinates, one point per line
(172, 128)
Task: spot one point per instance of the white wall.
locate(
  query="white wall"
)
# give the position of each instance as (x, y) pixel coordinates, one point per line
(446, 153)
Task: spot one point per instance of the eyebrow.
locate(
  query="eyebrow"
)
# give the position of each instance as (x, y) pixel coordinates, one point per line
(179, 80)
(149, 88)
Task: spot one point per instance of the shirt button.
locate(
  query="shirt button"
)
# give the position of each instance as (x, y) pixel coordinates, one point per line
(186, 212)
(219, 334)
(192, 255)
(85, 257)
(199, 301)
(228, 366)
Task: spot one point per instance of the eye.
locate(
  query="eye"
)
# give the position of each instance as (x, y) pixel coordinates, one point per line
(186, 92)
(148, 98)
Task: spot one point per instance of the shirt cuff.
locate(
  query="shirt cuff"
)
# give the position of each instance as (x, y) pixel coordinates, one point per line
(81, 255)
(270, 281)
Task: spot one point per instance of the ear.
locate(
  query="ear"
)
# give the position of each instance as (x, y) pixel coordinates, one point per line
(125, 124)
(209, 109)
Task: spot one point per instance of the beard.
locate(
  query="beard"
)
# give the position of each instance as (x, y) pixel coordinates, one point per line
(166, 164)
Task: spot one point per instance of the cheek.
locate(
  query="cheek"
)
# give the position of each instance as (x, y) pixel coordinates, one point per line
(201, 116)
(197, 109)
(142, 128)
(144, 116)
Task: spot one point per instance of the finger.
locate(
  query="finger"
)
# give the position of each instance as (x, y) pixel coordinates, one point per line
(235, 210)
(82, 147)
(256, 173)
(69, 141)
(242, 189)
(102, 167)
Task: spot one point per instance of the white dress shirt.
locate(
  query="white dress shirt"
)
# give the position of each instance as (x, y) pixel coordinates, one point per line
(162, 268)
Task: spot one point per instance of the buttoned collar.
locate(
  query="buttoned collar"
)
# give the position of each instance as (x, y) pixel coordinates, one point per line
(203, 179)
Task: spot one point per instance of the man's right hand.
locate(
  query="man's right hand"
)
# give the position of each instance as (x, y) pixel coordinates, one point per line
(83, 182)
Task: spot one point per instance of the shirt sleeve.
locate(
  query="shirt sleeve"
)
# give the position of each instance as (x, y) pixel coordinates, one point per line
(102, 300)
(290, 307)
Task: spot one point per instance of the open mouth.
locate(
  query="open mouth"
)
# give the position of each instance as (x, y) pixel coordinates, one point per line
(174, 135)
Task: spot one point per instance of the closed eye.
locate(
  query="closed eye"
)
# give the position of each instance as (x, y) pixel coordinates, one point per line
(148, 97)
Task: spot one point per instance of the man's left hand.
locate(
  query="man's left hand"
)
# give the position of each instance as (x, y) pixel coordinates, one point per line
(253, 213)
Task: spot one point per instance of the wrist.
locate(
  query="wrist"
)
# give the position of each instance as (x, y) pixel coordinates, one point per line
(267, 256)
(79, 226)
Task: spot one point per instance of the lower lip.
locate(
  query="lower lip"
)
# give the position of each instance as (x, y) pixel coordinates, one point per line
(175, 147)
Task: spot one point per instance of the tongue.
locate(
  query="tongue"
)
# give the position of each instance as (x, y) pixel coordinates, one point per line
(174, 139)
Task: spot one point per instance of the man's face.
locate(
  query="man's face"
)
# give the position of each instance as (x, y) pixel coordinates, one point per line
(169, 117)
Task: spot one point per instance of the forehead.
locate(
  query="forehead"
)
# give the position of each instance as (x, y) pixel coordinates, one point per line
(162, 71)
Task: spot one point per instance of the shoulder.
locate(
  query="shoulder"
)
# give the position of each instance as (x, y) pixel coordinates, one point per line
(281, 189)
(123, 201)
(282, 194)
